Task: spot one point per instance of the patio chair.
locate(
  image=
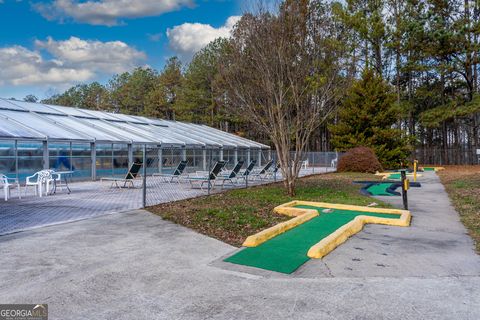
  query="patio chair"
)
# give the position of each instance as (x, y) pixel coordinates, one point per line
(8, 183)
(132, 174)
(270, 174)
(244, 175)
(37, 180)
(334, 162)
(211, 177)
(232, 174)
(176, 174)
(262, 172)
(305, 164)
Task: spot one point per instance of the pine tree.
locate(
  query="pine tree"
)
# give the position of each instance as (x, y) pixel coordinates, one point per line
(367, 117)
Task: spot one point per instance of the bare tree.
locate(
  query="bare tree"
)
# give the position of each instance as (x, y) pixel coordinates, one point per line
(282, 74)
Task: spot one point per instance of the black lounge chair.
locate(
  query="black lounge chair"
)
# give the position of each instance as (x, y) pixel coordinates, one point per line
(263, 172)
(210, 177)
(132, 174)
(232, 174)
(270, 174)
(248, 170)
(176, 174)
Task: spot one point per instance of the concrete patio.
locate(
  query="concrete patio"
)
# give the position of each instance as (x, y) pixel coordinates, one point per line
(134, 265)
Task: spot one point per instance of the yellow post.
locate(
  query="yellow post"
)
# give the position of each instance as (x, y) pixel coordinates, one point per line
(415, 170)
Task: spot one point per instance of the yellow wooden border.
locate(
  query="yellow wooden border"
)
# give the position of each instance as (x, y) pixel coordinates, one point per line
(339, 236)
(301, 216)
(385, 175)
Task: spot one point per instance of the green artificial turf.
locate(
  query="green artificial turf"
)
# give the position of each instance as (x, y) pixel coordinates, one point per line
(288, 251)
(395, 176)
(380, 189)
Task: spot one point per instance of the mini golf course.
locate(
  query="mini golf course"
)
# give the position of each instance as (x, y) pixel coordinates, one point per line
(284, 248)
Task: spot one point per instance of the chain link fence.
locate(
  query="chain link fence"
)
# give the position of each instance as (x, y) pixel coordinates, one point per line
(168, 175)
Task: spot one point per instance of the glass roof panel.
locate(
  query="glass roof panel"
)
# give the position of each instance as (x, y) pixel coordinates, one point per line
(120, 132)
(70, 111)
(231, 136)
(80, 125)
(150, 121)
(13, 130)
(37, 107)
(209, 135)
(125, 117)
(99, 114)
(6, 104)
(43, 126)
(83, 124)
(169, 132)
(144, 130)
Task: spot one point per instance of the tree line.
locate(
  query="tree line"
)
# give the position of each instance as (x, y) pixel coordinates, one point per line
(400, 76)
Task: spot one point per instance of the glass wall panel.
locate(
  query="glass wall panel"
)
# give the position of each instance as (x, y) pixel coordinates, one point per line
(255, 155)
(243, 156)
(7, 158)
(213, 155)
(137, 153)
(195, 159)
(104, 165)
(171, 157)
(30, 158)
(265, 156)
(229, 156)
(153, 161)
(120, 159)
(81, 161)
(60, 156)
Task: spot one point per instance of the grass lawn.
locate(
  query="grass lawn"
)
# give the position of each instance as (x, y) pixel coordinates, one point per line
(233, 215)
(463, 187)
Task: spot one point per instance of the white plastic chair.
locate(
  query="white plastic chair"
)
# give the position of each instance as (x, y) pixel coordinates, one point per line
(34, 181)
(305, 164)
(5, 182)
(37, 180)
(334, 162)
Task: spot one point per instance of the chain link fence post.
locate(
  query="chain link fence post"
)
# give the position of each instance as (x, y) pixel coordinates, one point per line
(209, 185)
(313, 162)
(144, 177)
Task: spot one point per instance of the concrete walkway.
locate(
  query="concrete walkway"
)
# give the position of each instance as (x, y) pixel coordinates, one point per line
(137, 266)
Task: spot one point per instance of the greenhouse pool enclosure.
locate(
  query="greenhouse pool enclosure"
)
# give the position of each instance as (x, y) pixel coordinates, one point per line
(94, 144)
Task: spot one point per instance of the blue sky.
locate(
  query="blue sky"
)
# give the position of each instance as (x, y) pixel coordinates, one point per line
(47, 46)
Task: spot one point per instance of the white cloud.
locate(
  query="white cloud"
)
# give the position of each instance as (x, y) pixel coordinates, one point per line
(107, 12)
(188, 38)
(73, 60)
(107, 57)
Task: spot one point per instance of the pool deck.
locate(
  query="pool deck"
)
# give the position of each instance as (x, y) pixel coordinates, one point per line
(90, 199)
